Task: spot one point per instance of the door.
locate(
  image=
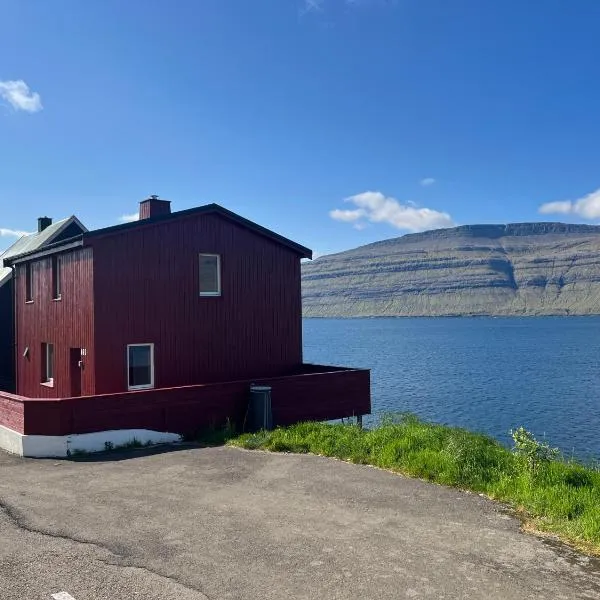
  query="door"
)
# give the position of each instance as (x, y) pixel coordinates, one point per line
(75, 369)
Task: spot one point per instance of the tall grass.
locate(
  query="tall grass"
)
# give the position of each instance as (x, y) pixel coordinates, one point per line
(557, 496)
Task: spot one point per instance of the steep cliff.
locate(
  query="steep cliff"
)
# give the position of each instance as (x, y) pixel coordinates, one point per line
(516, 269)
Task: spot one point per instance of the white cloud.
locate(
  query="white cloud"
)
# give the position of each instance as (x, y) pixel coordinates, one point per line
(549, 208)
(315, 255)
(347, 216)
(427, 181)
(12, 232)
(129, 218)
(313, 5)
(374, 207)
(19, 96)
(320, 5)
(587, 207)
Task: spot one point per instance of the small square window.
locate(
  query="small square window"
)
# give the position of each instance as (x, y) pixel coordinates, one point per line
(210, 275)
(140, 366)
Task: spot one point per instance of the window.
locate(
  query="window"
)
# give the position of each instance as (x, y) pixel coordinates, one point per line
(56, 274)
(28, 283)
(140, 366)
(210, 275)
(48, 364)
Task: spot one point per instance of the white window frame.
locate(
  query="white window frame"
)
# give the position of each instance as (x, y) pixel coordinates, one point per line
(146, 386)
(211, 294)
(28, 283)
(56, 276)
(49, 381)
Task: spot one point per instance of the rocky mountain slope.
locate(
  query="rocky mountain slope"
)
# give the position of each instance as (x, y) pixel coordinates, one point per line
(516, 269)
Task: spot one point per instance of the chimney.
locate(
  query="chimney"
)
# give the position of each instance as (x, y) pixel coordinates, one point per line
(154, 207)
(44, 223)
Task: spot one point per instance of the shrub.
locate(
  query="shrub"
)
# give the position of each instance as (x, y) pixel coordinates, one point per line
(534, 453)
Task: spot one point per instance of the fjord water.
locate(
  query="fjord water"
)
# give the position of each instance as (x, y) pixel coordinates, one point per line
(485, 374)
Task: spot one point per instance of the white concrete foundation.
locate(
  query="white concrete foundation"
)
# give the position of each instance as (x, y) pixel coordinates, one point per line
(46, 446)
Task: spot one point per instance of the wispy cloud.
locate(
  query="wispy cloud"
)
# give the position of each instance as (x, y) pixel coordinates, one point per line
(313, 5)
(587, 207)
(375, 207)
(20, 97)
(427, 181)
(129, 218)
(320, 5)
(314, 257)
(12, 232)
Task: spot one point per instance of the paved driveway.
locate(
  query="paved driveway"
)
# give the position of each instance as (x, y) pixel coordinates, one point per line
(224, 523)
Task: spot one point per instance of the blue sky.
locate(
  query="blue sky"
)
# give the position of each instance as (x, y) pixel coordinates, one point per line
(334, 122)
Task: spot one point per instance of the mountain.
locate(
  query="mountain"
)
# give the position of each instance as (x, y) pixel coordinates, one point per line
(515, 269)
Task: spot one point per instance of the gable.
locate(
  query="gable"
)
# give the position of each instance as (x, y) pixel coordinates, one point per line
(208, 209)
(57, 232)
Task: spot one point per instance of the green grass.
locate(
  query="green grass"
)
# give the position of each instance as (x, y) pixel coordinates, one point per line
(557, 496)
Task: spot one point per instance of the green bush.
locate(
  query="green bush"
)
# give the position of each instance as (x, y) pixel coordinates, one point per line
(533, 452)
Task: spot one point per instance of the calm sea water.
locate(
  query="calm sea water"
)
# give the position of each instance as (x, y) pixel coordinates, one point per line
(486, 374)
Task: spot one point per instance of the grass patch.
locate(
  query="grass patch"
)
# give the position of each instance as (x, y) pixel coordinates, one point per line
(557, 496)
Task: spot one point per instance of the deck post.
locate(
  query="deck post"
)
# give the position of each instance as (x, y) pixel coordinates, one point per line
(359, 421)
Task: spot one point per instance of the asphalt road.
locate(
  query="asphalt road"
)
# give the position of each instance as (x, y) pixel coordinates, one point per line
(223, 523)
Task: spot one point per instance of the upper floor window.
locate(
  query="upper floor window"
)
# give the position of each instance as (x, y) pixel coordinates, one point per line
(28, 282)
(210, 275)
(56, 278)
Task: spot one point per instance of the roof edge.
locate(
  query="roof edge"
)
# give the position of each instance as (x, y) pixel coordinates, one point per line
(48, 243)
(68, 221)
(302, 251)
(68, 244)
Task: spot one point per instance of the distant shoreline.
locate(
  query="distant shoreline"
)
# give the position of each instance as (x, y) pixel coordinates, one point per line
(490, 316)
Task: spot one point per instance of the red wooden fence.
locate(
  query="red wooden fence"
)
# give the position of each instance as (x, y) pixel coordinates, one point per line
(12, 411)
(314, 393)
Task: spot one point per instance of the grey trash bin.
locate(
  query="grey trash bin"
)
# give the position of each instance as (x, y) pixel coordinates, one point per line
(260, 413)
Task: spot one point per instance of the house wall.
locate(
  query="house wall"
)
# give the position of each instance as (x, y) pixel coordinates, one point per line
(146, 290)
(66, 323)
(188, 410)
(7, 340)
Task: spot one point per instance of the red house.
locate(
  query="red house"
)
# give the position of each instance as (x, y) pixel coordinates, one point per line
(161, 325)
(47, 233)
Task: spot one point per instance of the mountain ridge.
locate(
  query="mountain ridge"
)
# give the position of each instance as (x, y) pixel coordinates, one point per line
(538, 268)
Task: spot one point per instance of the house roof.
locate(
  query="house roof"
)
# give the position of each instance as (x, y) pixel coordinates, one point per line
(34, 242)
(206, 209)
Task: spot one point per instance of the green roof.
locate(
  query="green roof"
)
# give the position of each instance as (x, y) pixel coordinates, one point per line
(32, 242)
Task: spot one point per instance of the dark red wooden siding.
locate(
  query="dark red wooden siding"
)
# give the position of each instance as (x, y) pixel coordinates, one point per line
(67, 323)
(7, 340)
(146, 291)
